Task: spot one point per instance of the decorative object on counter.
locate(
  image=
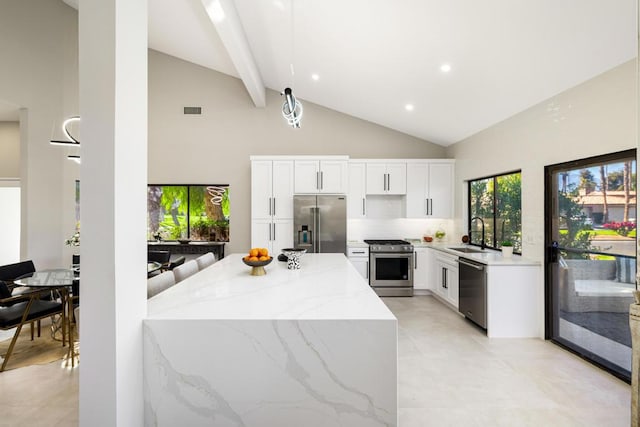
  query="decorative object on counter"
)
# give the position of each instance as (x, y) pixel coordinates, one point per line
(465, 239)
(283, 258)
(440, 234)
(257, 267)
(257, 259)
(507, 248)
(427, 239)
(74, 240)
(293, 257)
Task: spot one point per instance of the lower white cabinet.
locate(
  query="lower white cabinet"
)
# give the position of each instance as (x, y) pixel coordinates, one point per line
(359, 257)
(446, 278)
(274, 235)
(422, 268)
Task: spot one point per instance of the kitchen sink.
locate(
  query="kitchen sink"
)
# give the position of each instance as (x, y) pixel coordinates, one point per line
(467, 250)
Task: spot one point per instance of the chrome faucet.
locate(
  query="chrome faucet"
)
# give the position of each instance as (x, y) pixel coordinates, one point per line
(482, 244)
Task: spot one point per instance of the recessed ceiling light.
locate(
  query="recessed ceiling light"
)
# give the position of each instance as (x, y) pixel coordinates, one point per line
(408, 107)
(445, 68)
(315, 77)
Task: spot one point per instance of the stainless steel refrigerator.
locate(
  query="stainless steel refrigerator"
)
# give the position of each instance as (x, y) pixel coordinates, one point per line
(320, 223)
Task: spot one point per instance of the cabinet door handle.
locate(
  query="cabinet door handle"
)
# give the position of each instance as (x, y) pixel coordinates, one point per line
(269, 232)
(430, 206)
(317, 180)
(388, 182)
(363, 201)
(270, 206)
(426, 203)
(274, 232)
(384, 177)
(274, 206)
(367, 270)
(415, 261)
(321, 180)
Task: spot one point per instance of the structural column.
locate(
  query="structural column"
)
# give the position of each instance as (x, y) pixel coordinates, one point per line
(113, 179)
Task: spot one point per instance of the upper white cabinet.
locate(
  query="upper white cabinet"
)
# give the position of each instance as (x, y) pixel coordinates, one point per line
(357, 195)
(272, 204)
(386, 178)
(430, 189)
(321, 176)
(272, 189)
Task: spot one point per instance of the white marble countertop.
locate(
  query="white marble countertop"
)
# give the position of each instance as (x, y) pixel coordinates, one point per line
(326, 287)
(487, 256)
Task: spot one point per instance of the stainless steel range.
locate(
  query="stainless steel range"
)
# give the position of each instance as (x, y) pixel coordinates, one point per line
(391, 267)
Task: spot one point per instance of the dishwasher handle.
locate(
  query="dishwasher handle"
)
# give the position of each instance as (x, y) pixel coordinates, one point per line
(477, 267)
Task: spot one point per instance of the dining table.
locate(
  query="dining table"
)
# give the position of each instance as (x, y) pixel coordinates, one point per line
(60, 280)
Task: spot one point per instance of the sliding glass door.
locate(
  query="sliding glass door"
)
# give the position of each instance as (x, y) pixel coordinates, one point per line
(591, 257)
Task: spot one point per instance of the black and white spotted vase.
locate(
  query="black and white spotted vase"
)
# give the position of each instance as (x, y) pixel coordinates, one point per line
(293, 263)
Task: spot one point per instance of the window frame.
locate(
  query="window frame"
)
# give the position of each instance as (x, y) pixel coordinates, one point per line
(494, 244)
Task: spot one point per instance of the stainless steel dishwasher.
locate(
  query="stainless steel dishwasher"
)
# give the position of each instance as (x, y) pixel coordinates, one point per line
(473, 291)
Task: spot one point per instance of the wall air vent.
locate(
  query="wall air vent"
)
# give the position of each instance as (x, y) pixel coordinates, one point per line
(193, 110)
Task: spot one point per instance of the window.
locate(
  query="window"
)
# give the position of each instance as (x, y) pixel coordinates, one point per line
(194, 212)
(495, 201)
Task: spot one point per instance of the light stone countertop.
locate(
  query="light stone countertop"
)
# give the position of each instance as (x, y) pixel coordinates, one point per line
(326, 287)
(487, 256)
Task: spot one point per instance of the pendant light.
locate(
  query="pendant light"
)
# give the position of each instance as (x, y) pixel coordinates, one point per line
(292, 108)
(71, 140)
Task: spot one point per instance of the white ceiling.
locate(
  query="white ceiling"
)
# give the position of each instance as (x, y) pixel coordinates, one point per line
(375, 56)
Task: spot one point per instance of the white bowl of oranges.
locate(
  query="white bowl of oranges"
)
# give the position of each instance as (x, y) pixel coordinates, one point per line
(257, 259)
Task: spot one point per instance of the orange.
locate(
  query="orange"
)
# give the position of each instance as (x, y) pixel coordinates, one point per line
(264, 258)
(253, 258)
(264, 252)
(246, 258)
(253, 252)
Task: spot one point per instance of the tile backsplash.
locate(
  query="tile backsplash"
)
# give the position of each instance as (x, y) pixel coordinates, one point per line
(398, 228)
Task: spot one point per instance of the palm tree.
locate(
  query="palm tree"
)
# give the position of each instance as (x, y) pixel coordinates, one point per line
(603, 183)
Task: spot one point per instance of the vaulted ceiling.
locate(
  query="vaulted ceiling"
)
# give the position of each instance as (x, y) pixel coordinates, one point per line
(375, 58)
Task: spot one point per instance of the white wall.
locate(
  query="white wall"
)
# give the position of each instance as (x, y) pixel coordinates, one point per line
(9, 149)
(39, 75)
(214, 148)
(9, 222)
(596, 117)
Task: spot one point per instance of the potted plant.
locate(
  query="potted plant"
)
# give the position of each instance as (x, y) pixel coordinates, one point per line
(507, 248)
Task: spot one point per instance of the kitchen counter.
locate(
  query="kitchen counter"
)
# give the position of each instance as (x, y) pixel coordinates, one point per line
(487, 257)
(312, 347)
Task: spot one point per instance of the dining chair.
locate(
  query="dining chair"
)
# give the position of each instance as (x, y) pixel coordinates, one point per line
(205, 260)
(162, 257)
(185, 270)
(176, 262)
(11, 272)
(17, 310)
(160, 283)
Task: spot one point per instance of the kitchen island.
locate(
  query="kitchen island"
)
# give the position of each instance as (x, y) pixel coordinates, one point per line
(308, 347)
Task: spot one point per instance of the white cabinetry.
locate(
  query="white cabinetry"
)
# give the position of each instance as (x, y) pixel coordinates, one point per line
(314, 176)
(356, 196)
(359, 257)
(272, 204)
(386, 178)
(430, 190)
(422, 268)
(446, 277)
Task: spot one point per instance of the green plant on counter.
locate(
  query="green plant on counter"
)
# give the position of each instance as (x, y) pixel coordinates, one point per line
(506, 243)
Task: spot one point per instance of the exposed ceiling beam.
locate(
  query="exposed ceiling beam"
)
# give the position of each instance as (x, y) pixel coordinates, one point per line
(224, 16)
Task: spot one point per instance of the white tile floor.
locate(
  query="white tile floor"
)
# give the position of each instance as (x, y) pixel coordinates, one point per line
(450, 374)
